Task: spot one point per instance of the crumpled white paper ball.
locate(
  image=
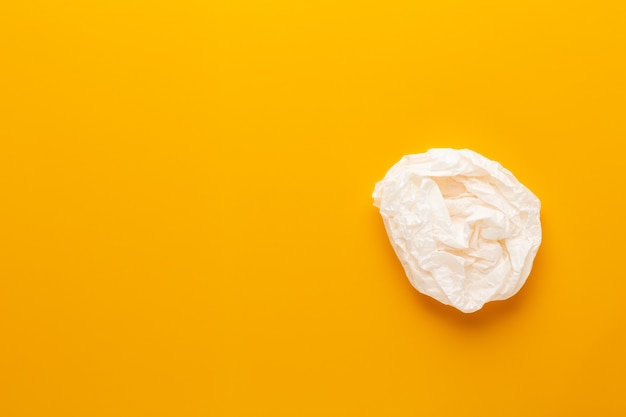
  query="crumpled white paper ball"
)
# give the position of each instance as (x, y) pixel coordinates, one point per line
(464, 228)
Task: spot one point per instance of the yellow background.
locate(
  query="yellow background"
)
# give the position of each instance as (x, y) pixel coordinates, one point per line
(186, 218)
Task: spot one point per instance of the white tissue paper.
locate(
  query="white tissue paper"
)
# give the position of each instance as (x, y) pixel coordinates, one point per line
(464, 228)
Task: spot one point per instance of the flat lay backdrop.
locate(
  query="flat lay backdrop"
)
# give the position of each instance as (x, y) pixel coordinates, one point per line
(186, 218)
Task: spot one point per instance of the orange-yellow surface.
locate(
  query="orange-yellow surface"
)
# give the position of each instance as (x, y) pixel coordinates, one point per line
(186, 218)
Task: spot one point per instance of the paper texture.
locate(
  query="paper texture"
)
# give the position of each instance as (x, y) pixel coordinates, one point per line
(464, 228)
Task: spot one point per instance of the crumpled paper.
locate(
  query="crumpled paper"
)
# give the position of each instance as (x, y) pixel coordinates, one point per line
(464, 228)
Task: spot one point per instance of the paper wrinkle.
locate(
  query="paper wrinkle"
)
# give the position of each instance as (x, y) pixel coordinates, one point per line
(464, 228)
